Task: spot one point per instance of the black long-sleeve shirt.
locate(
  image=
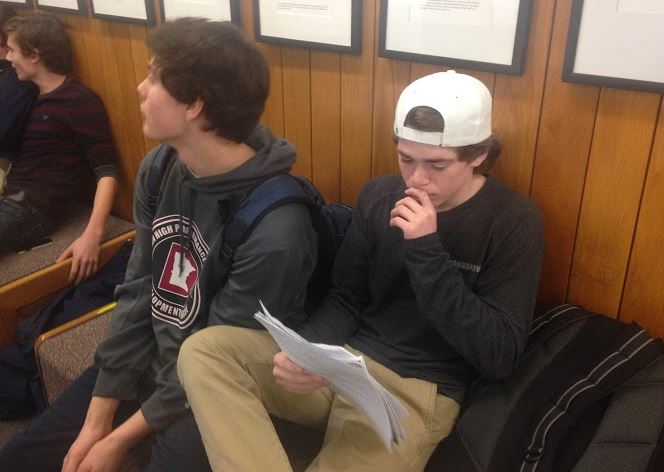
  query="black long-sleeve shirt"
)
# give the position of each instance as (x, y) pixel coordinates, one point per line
(16, 100)
(441, 307)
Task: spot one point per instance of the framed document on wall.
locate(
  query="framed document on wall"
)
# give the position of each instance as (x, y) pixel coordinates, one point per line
(66, 6)
(330, 25)
(618, 43)
(219, 10)
(489, 35)
(17, 3)
(129, 11)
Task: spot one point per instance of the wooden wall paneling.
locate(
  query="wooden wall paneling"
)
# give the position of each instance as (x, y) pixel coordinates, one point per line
(297, 105)
(140, 58)
(643, 297)
(581, 155)
(390, 78)
(273, 116)
(326, 123)
(357, 95)
(618, 159)
(90, 56)
(91, 60)
(419, 70)
(79, 31)
(119, 95)
(561, 158)
(247, 17)
(517, 101)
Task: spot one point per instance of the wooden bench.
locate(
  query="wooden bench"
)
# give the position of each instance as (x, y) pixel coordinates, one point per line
(65, 352)
(28, 279)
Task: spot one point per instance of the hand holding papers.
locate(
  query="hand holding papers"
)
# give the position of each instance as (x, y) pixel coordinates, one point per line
(346, 374)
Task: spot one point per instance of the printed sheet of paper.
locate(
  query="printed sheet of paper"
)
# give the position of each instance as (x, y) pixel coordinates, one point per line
(478, 30)
(71, 4)
(219, 10)
(128, 8)
(346, 374)
(325, 21)
(623, 40)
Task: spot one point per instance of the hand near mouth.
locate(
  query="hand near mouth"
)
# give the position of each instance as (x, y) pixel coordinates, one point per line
(414, 215)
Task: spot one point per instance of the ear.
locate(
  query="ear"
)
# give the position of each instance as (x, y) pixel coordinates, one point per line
(34, 57)
(194, 110)
(479, 159)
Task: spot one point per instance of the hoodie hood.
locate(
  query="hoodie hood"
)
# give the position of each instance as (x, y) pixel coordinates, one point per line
(273, 155)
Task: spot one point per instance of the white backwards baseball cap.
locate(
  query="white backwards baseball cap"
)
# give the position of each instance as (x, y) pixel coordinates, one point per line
(464, 102)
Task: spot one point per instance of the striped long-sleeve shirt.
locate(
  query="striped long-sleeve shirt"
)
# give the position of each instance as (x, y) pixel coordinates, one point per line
(66, 145)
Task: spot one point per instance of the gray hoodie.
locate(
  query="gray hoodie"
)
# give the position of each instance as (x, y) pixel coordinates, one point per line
(174, 283)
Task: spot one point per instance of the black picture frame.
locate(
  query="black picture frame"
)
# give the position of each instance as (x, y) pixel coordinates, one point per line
(234, 7)
(150, 19)
(81, 10)
(519, 50)
(18, 4)
(355, 33)
(568, 74)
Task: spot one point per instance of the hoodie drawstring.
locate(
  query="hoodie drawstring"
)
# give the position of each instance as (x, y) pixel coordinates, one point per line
(185, 215)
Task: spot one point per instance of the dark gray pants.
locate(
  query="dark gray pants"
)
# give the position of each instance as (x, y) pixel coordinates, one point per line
(44, 444)
(22, 226)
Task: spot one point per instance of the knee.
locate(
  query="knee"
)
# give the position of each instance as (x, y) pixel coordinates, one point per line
(203, 349)
(192, 353)
(222, 347)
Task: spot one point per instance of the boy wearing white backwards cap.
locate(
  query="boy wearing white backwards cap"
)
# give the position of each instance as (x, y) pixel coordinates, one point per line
(434, 285)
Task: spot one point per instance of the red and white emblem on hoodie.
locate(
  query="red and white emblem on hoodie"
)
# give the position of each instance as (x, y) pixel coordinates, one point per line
(176, 269)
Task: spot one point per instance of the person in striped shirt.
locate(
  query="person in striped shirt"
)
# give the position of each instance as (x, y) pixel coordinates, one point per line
(66, 147)
(16, 100)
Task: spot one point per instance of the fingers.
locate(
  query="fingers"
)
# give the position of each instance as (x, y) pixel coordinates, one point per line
(74, 272)
(402, 211)
(415, 214)
(86, 270)
(71, 462)
(399, 222)
(410, 203)
(284, 362)
(292, 377)
(421, 196)
(82, 268)
(66, 253)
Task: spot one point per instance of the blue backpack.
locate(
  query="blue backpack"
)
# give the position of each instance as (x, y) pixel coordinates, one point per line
(330, 221)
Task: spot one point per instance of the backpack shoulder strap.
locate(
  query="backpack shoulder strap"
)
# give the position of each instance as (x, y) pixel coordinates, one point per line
(265, 197)
(625, 352)
(159, 168)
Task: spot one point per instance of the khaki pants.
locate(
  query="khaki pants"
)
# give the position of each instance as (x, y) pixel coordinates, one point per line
(227, 374)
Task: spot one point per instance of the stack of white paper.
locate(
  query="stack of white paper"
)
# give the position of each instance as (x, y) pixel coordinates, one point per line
(346, 374)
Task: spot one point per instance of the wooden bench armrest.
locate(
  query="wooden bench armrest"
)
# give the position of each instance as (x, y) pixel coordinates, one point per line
(19, 296)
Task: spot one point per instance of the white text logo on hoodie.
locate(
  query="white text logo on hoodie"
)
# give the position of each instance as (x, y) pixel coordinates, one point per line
(178, 253)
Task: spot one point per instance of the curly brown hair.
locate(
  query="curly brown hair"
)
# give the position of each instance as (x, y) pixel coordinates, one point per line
(45, 35)
(213, 61)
